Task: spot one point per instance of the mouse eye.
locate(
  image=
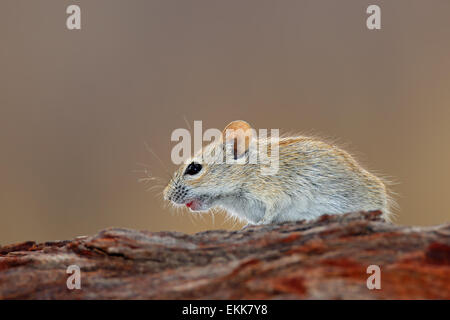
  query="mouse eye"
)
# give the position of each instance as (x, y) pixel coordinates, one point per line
(193, 168)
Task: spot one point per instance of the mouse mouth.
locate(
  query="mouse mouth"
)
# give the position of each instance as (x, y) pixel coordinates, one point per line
(196, 205)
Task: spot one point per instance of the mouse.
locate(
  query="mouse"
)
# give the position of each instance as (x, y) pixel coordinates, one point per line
(313, 178)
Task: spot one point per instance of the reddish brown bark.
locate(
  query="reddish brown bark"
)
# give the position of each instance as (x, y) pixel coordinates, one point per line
(323, 259)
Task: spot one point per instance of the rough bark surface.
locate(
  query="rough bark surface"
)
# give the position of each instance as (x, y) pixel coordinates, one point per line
(322, 259)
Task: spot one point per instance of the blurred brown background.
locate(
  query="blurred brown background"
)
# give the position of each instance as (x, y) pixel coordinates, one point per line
(76, 107)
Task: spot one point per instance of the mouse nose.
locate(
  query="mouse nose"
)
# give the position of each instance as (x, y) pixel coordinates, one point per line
(176, 194)
(179, 193)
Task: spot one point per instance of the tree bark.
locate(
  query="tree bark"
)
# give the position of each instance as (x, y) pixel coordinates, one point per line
(325, 258)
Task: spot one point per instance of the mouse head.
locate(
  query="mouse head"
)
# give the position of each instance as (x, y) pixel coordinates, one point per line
(218, 171)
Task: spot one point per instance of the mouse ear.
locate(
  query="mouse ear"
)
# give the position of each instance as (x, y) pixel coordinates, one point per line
(239, 134)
